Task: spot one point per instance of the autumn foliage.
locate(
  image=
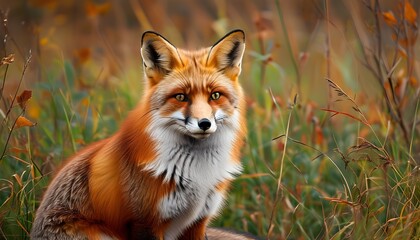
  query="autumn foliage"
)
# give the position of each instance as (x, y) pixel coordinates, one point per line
(333, 98)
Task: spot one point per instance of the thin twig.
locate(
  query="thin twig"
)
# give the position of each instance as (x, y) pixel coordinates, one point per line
(328, 49)
(25, 66)
(289, 47)
(379, 59)
(341, 93)
(10, 134)
(413, 132)
(366, 53)
(2, 86)
(346, 114)
(6, 34)
(276, 198)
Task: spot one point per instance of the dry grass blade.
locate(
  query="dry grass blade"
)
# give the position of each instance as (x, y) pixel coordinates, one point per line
(7, 186)
(341, 93)
(18, 179)
(23, 227)
(276, 198)
(341, 201)
(336, 171)
(366, 144)
(345, 114)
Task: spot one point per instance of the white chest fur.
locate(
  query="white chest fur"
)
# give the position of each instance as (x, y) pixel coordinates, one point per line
(196, 166)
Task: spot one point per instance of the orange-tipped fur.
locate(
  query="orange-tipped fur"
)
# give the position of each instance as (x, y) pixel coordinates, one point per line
(165, 173)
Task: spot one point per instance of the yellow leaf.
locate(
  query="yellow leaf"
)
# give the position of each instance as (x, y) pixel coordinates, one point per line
(410, 14)
(43, 41)
(23, 122)
(33, 110)
(389, 18)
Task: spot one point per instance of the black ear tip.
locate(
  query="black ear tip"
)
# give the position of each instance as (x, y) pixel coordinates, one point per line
(147, 33)
(155, 34)
(237, 34)
(237, 31)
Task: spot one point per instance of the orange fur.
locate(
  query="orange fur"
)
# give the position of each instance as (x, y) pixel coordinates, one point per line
(127, 186)
(196, 231)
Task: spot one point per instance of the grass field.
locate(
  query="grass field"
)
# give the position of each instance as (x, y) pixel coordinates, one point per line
(333, 95)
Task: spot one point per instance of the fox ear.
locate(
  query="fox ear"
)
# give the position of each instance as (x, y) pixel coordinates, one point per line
(159, 56)
(226, 54)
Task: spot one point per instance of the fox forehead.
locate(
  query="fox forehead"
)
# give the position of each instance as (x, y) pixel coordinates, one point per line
(195, 76)
(194, 69)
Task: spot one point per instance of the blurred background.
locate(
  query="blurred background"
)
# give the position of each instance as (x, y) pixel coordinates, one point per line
(332, 89)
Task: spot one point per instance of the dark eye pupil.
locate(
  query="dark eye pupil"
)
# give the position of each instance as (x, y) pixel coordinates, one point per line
(180, 97)
(215, 96)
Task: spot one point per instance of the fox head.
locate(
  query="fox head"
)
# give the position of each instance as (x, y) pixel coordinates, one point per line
(193, 93)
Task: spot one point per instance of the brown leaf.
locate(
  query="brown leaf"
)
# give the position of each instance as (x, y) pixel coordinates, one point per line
(23, 98)
(83, 54)
(93, 9)
(23, 122)
(389, 18)
(8, 60)
(404, 41)
(16, 150)
(47, 4)
(402, 52)
(409, 13)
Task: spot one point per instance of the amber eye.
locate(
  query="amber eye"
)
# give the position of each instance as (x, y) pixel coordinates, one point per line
(180, 97)
(215, 96)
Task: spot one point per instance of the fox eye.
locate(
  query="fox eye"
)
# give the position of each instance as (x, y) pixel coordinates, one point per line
(215, 96)
(180, 97)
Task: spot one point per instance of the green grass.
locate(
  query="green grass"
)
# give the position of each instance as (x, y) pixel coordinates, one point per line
(316, 165)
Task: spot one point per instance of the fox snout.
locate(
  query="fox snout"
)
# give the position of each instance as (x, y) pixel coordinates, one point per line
(200, 127)
(200, 121)
(204, 124)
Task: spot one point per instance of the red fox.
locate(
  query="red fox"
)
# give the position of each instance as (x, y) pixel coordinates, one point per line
(166, 172)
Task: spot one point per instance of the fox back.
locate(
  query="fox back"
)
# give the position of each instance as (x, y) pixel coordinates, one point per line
(166, 172)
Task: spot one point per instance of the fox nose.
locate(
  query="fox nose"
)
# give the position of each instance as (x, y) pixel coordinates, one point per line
(204, 124)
